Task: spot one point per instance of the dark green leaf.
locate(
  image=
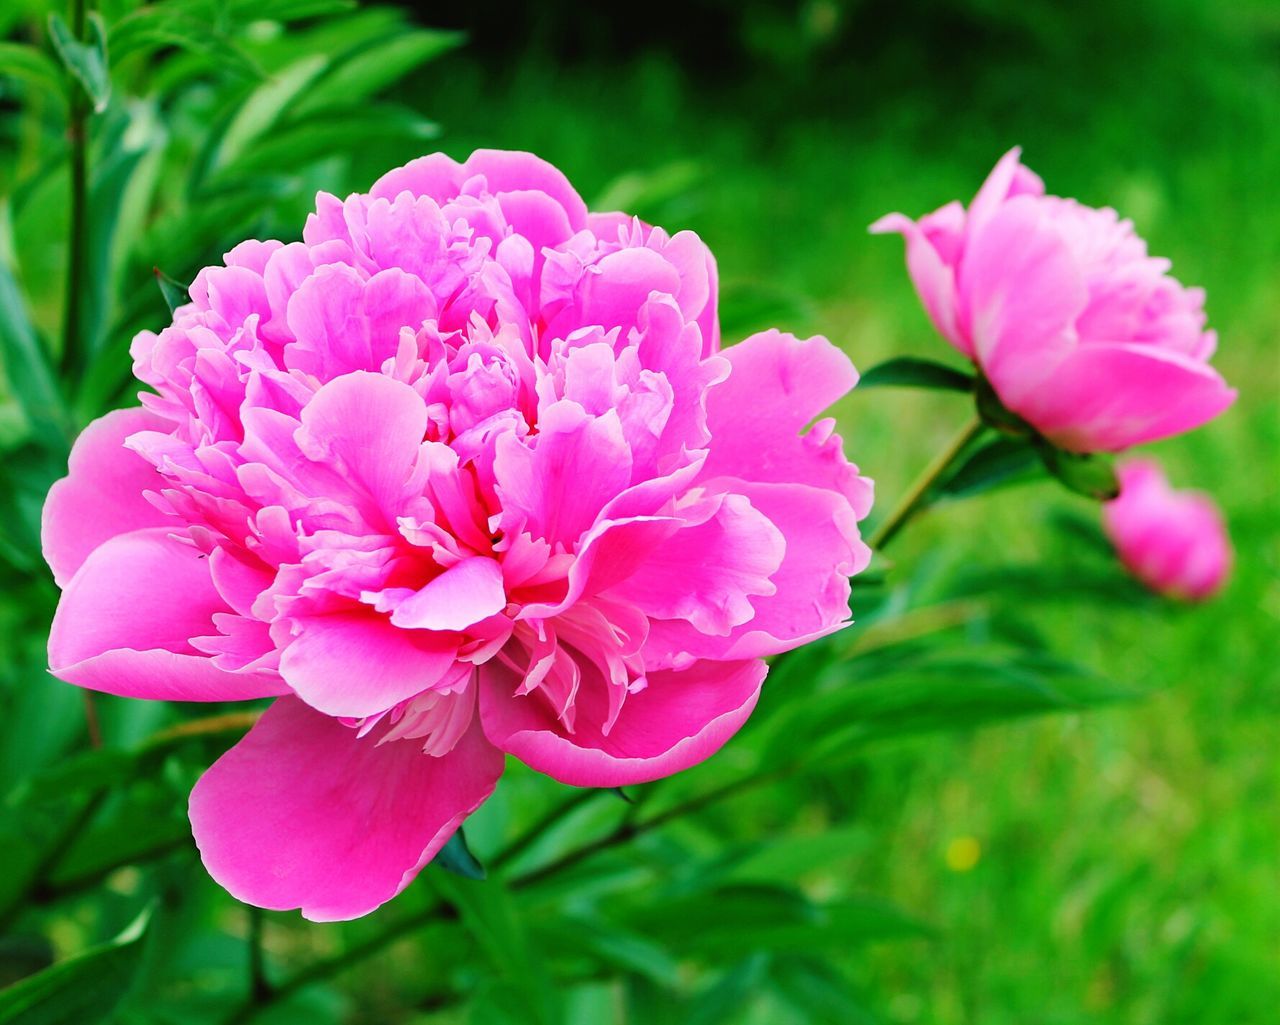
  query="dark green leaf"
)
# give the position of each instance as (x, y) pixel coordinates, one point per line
(27, 64)
(1093, 476)
(81, 990)
(87, 59)
(26, 364)
(455, 856)
(726, 1000)
(913, 372)
(816, 990)
(374, 68)
(999, 462)
(994, 414)
(154, 27)
(175, 294)
(620, 793)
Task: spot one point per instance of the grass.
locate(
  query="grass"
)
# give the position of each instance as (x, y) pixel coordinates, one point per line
(1117, 867)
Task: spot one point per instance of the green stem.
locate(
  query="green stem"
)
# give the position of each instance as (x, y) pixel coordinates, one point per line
(916, 498)
(73, 354)
(259, 987)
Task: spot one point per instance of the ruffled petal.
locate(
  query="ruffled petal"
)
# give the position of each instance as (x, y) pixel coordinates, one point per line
(304, 813)
(127, 618)
(102, 494)
(778, 384)
(677, 720)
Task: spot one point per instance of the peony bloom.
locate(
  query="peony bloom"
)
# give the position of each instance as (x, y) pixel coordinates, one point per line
(1173, 541)
(462, 474)
(1076, 328)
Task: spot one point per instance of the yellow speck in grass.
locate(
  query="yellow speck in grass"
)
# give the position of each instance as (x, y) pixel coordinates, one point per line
(963, 853)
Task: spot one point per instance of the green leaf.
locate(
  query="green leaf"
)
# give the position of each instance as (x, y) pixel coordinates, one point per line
(267, 104)
(455, 856)
(727, 999)
(26, 364)
(175, 293)
(913, 372)
(818, 992)
(154, 27)
(607, 943)
(374, 68)
(994, 414)
(999, 462)
(81, 990)
(1093, 476)
(489, 914)
(87, 60)
(27, 64)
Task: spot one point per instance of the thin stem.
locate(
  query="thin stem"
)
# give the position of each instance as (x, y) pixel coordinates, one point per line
(260, 990)
(915, 499)
(73, 354)
(91, 719)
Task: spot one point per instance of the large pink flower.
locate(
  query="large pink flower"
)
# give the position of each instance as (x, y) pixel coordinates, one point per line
(461, 474)
(1077, 329)
(1173, 541)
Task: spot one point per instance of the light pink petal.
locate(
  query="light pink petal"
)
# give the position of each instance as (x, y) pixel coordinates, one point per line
(823, 550)
(511, 171)
(461, 596)
(1022, 290)
(782, 382)
(126, 619)
(435, 175)
(618, 286)
(357, 664)
(304, 813)
(101, 496)
(934, 279)
(1105, 398)
(678, 720)
(1007, 180)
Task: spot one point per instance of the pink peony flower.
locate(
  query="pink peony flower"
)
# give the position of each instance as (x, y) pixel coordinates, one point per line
(461, 474)
(1077, 329)
(1173, 541)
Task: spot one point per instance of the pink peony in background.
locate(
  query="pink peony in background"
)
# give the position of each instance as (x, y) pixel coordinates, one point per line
(461, 474)
(1076, 327)
(1173, 541)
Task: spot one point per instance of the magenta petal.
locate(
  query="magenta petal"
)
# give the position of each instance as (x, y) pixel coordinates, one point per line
(126, 619)
(678, 720)
(101, 496)
(1110, 397)
(357, 664)
(460, 597)
(782, 382)
(304, 813)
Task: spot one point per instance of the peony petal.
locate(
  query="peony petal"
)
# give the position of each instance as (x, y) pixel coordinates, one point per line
(933, 278)
(461, 596)
(303, 813)
(357, 664)
(102, 494)
(780, 384)
(811, 600)
(1110, 397)
(126, 620)
(1022, 291)
(678, 720)
(512, 170)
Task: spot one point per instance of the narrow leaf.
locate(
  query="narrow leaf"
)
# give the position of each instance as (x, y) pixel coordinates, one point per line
(82, 990)
(456, 857)
(27, 64)
(913, 372)
(26, 363)
(998, 462)
(87, 61)
(175, 294)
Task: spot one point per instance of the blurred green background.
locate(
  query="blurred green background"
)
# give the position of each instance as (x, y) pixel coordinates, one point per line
(1111, 864)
